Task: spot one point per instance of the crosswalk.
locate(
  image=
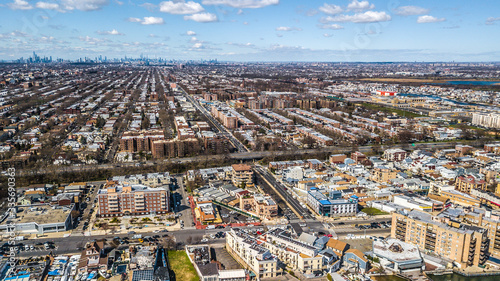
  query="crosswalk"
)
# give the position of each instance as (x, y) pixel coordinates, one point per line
(40, 249)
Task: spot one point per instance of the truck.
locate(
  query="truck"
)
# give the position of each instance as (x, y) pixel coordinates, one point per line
(137, 236)
(211, 227)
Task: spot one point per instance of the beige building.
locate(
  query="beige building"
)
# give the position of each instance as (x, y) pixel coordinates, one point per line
(262, 206)
(251, 254)
(466, 183)
(294, 253)
(242, 174)
(382, 175)
(441, 234)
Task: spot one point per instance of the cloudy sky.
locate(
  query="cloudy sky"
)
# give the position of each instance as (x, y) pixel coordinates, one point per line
(253, 30)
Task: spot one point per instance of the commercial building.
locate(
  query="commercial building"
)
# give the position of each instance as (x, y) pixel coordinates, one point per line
(460, 198)
(467, 245)
(38, 219)
(249, 252)
(200, 256)
(398, 256)
(412, 201)
(119, 199)
(324, 206)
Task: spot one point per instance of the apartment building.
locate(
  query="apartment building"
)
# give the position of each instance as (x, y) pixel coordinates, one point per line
(383, 175)
(294, 253)
(117, 199)
(467, 183)
(242, 174)
(249, 252)
(262, 206)
(140, 141)
(491, 120)
(174, 148)
(149, 179)
(394, 155)
(225, 116)
(327, 207)
(466, 244)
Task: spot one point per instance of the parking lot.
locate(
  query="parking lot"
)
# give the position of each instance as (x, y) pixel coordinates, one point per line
(373, 225)
(227, 261)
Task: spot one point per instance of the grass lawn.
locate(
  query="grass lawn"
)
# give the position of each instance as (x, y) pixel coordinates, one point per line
(391, 110)
(373, 212)
(182, 267)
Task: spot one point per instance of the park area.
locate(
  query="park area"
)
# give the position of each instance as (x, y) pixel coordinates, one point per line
(181, 266)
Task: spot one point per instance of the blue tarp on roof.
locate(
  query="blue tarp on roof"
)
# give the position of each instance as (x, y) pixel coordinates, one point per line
(17, 277)
(54, 272)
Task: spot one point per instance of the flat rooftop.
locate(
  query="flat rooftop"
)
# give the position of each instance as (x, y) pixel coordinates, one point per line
(396, 250)
(41, 214)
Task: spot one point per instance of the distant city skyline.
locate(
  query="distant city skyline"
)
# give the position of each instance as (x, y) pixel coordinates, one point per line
(253, 30)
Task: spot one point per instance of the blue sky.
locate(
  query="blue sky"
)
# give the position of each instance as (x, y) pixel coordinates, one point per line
(254, 30)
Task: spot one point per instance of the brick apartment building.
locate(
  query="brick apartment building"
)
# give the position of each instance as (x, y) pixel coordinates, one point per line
(140, 141)
(120, 199)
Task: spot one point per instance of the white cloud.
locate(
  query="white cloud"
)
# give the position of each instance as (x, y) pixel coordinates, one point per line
(202, 17)
(83, 5)
(333, 26)
(368, 16)
(20, 5)
(48, 6)
(492, 20)
(152, 20)
(134, 20)
(429, 19)
(147, 20)
(252, 4)
(190, 33)
(92, 40)
(111, 32)
(248, 45)
(180, 7)
(327, 35)
(331, 9)
(195, 40)
(197, 45)
(410, 10)
(356, 5)
(288, 28)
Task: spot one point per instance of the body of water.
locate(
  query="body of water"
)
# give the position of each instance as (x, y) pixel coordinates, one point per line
(458, 277)
(473, 83)
(438, 98)
(445, 277)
